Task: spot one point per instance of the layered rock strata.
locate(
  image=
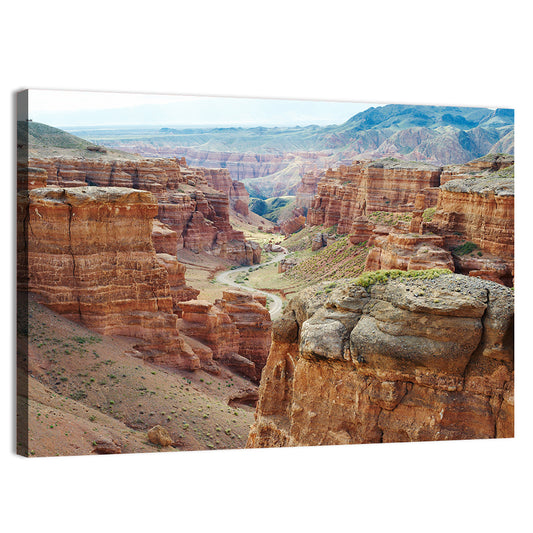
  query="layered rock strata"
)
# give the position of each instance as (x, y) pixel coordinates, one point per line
(475, 204)
(308, 188)
(220, 180)
(90, 258)
(236, 329)
(365, 187)
(406, 360)
(164, 239)
(479, 210)
(179, 290)
(209, 324)
(251, 317)
(187, 204)
(293, 224)
(408, 251)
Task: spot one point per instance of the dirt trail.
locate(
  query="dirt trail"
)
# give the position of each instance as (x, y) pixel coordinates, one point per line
(228, 278)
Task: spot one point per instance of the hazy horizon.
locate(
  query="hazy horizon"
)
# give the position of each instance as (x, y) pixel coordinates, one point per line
(90, 109)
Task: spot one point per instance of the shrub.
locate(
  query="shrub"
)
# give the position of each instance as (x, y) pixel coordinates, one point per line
(465, 248)
(382, 276)
(427, 215)
(78, 395)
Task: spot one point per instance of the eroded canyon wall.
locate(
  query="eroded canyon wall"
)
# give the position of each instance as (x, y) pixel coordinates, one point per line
(236, 329)
(405, 360)
(193, 203)
(461, 216)
(365, 187)
(90, 258)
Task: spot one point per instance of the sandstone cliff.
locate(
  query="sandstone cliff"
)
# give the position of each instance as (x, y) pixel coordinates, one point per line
(365, 187)
(409, 359)
(479, 210)
(193, 203)
(308, 188)
(235, 329)
(90, 258)
(449, 207)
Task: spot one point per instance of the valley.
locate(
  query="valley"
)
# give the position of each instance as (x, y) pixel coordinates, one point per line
(213, 288)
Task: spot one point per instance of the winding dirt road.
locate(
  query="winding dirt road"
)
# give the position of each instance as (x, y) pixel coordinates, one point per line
(228, 276)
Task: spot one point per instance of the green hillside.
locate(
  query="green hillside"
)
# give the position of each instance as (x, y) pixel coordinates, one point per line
(41, 140)
(273, 209)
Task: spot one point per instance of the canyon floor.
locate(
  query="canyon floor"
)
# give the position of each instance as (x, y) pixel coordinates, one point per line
(90, 392)
(86, 388)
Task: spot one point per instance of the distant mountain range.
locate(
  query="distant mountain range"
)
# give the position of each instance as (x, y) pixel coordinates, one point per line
(271, 161)
(437, 134)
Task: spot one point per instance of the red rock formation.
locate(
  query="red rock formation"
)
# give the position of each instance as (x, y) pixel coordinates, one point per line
(249, 313)
(320, 240)
(30, 178)
(236, 329)
(408, 251)
(308, 188)
(365, 187)
(361, 231)
(292, 225)
(165, 177)
(240, 165)
(220, 180)
(479, 210)
(90, 258)
(179, 290)
(239, 198)
(165, 240)
(200, 233)
(209, 324)
(408, 360)
(418, 211)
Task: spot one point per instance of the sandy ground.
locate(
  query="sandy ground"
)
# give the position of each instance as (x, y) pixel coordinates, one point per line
(84, 387)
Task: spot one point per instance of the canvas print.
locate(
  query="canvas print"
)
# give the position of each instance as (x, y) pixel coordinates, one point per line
(203, 273)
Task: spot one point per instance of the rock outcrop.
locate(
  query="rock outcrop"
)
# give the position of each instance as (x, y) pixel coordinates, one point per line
(408, 251)
(90, 258)
(220, 180)
(293, 224)
(365, 187)
(480, 210)
(410, 359)
(164, 239)
(236, 329)
(308, 188)
(251, 317)
(179, 290)
(207, 323)
(473, 203)
(187, 202)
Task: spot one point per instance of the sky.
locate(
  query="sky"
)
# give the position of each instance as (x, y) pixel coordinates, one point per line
(90, 109)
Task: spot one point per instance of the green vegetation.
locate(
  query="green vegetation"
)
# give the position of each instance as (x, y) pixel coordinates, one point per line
(382, 276)
(338, 260)
(298, 242)
(273, 209)
(388, 218)
(465, 248)
(505, 173)
(43, 135)
(428, 214)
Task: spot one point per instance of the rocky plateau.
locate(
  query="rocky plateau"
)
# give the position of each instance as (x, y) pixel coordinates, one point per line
(405, 359)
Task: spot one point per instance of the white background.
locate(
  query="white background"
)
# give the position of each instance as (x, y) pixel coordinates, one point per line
(454, 52)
